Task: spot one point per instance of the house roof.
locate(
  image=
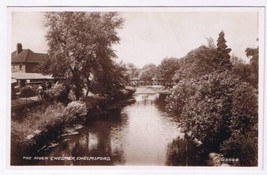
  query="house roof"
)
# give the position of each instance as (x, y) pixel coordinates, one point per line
(28, 56)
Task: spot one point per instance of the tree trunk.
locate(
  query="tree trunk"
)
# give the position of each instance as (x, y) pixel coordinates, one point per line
(78, 87)
(88, 87)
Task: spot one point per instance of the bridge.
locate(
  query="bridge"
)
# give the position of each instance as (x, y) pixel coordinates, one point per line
(138, 82)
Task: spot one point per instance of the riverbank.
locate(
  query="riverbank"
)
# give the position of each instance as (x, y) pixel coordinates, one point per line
(136, 134)
(46, 122)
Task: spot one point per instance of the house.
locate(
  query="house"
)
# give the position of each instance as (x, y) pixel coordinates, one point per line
(24, 67)
(25, 60)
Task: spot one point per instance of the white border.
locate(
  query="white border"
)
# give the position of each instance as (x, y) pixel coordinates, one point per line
(4, 77)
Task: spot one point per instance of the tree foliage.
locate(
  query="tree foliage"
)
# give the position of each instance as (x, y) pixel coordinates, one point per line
(148, 72)
(253, 54)
(221, 61)
(80, 46)
(110, 80)
(196, 63)
(216, 101)
(214, 108)
(208, 112)
(243, 70)
(243, 125)
(180, 96)
(133, 71)
(167, 69)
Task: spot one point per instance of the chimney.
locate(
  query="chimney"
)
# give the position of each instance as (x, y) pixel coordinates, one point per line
(19, 48)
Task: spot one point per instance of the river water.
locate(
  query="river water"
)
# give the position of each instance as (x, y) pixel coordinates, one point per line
(137, 134)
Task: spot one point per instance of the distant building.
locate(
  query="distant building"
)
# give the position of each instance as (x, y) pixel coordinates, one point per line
(25, 60)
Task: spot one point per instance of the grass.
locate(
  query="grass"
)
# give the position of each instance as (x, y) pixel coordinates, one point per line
(43, 118)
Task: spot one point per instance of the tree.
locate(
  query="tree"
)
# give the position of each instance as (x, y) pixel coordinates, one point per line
(211, 43)
(253, 54)
(110, 80)
(196, 63)
(216, 103)
(204, 106)
(221, 111)
(148, 72)
(243, 71)
(243, 142)
(80, 46)
(180, 95)
(167, 69)
(133, 71)
(221, 61)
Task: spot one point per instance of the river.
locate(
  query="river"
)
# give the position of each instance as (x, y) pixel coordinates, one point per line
(137, 134)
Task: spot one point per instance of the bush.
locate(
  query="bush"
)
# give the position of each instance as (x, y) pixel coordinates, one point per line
(56, 90)
(75, 108)
(44, 118)
(221, 111)
(180, 95)
(244, 108)
(38, 119)
(94, 101)
(182, 152)
(207, 113)
(243, 125)
(27, 91)
(243, 146)
(59, 92)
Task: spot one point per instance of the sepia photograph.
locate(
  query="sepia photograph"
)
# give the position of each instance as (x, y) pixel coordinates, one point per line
(169, 87)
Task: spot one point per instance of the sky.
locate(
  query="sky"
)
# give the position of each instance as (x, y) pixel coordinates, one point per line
(150, 36)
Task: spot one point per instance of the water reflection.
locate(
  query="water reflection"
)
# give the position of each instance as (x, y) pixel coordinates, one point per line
(148, 133)
(138, 134)
(98, 140)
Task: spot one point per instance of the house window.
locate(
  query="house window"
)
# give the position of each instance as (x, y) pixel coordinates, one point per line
(20, 67)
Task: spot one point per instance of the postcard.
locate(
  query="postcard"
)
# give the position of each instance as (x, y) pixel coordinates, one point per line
(153, 88)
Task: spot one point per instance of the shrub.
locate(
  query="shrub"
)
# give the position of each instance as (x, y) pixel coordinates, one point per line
(44, 118)
(58, 92)
(180, 95)
(38, 119)
(55, 91)
(221, 111)
(245, 108)
(27, 91)
(207, 113)
(75, 109)
(243, 146)
(243, 125)
(93, 101)
(182, 152)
